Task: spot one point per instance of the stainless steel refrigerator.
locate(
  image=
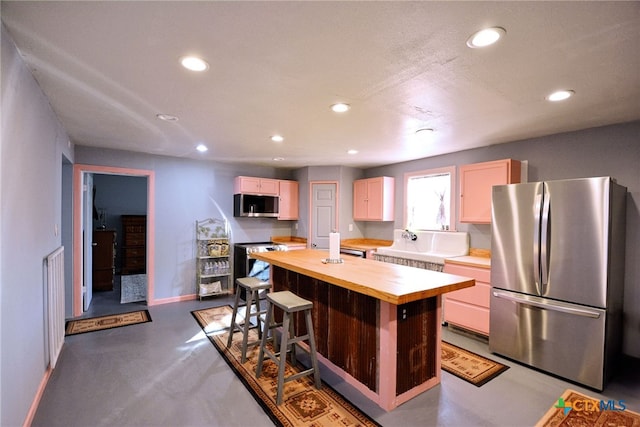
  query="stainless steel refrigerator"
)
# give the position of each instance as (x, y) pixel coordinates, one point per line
(557, 276)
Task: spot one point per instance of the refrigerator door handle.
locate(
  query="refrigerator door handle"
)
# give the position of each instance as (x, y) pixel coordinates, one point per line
(537, 208)
(544, 247)
(538, 302)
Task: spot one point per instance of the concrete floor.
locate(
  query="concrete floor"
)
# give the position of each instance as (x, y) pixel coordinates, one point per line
(166, 373)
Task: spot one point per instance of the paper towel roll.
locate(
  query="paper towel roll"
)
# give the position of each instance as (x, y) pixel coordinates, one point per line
(334, 246)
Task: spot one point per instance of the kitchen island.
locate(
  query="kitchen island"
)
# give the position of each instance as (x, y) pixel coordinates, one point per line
(377, 325)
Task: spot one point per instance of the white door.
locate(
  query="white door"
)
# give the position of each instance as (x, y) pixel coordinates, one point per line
(87, 240)
(323, 213)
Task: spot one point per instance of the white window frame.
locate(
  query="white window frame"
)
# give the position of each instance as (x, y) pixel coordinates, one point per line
(451, 170)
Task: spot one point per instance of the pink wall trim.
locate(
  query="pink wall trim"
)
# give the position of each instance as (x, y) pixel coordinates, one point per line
(78, 171)
(174, 299)
(36, 400)
(387, 354)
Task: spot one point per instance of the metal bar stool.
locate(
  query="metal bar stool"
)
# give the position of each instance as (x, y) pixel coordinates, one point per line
(290, 303)
(252, 287)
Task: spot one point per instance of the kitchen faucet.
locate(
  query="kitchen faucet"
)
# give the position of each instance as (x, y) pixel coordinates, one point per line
(406, 234)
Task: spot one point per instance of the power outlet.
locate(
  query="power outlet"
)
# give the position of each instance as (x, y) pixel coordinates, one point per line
(350, 227)
(296, 225)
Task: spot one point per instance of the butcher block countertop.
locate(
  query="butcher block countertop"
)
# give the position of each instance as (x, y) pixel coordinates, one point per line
(395, 284)
(476, 258)
(292, 242)
(364, 244)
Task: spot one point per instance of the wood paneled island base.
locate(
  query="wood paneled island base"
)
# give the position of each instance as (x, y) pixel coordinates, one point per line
(377, 325)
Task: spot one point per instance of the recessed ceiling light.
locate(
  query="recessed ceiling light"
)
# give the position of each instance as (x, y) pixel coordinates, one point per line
(277, 138)
(201, 148)
(278, 159)
(486, 37)
(167, 117)
(194, 63)
(424, 131)
(340, 107)
(352, 152)
(560, 95)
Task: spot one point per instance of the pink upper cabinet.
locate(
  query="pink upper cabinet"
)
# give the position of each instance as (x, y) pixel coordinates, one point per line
(373, 199)
(476, 181)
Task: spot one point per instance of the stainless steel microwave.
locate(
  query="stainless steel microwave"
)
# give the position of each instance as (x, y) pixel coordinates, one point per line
(252, 205)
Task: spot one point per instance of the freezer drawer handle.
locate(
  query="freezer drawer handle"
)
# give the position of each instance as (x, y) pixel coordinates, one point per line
(547, 306)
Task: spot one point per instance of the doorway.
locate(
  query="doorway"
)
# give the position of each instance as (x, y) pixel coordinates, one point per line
(80, 196)
(323, 212)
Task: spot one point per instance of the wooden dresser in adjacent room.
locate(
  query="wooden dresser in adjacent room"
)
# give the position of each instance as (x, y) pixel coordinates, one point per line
(103, 259)
(134, 244)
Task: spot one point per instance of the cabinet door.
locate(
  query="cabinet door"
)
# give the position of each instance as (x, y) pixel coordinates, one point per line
(476, 182)
(469, 307)
(251, 185)
(360, 200)
(245, 184)
(269, 186)
(288, 200)
(373, 199)
(375, 194)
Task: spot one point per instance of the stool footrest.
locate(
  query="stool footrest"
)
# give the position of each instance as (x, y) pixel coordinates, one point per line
(298, 375)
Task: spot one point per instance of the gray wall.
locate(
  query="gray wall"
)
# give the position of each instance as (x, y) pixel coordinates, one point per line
(344, 176)
(33, 144)
(185, 191)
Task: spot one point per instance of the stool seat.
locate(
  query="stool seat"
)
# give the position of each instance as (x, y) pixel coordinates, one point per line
(252, 286)
(252, 283)
(289, 303)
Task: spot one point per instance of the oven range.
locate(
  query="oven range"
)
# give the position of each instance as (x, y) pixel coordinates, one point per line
(246, 266)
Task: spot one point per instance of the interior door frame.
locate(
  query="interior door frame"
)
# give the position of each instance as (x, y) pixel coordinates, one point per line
(311, 207)
(87, 238)
(78, 173)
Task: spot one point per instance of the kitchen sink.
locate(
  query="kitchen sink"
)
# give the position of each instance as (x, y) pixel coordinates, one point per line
(429, 246)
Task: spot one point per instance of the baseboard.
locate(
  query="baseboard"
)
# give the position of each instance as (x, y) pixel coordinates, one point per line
(36, 399)
(466, 332)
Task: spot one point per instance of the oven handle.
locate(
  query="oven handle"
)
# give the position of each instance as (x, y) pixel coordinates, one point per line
(353, 252)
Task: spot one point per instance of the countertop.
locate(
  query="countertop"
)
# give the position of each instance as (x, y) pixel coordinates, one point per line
(470, 261)
(291, 242)
(364, 244)
(396, 284)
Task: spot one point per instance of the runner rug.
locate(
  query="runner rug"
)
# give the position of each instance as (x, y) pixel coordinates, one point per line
(81, 326)
(303, 404)
(574, 409)
(469, 366)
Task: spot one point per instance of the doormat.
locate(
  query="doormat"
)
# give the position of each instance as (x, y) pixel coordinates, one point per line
(575, 409)
(111, 321)
(303, 404)
(133, 288)
(469, 366)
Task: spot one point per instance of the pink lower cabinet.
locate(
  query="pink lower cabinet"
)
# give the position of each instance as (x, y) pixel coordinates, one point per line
(469, 308)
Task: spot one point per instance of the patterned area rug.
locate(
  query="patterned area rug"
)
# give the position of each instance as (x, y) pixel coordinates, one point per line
(469, 366)
(133, 288)
(303, 404)
(574, 409)
(92, 324)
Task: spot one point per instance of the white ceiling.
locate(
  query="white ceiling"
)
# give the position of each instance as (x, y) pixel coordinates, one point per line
(109, 67)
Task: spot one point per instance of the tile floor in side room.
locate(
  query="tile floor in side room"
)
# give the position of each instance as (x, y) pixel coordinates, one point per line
(166, 373)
